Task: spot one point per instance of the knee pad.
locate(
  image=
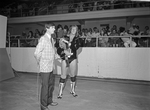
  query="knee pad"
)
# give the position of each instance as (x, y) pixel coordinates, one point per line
(73, 79)
(62, 80)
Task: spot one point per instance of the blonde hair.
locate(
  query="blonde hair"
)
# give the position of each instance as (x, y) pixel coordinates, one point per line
(77, 33)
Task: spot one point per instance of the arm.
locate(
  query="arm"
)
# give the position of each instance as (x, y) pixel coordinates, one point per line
(77, 42)
(60, 52)
(39, 48)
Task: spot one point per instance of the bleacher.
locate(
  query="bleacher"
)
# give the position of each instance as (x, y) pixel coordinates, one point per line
(39, 8)
(67, 6)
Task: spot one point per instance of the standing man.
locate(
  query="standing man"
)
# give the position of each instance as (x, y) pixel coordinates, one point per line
(45, 54)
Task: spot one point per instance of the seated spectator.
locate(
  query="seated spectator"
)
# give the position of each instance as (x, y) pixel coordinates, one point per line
(59, 31)
(108, 30)
(37, 34)
(95, 34)
(104, 40)
(89, 7)
(114, 41)
(24, 35)
(30, 41)
(115, 28)
(65, 30)
(89, 36)
(95, 6)
(30, 35)
(144, 41)
(127, 41)
(133, 29)
(100, 6)
(147, 30)
(107, 5)
(81, 5)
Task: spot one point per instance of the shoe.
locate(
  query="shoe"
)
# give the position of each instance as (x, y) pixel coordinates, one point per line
(74, 94)
(44, 107)
(53, 104)
(59, 96)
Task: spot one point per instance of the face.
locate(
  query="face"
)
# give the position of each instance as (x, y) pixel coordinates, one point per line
(114, 31)
(51, 30)
(74, 30)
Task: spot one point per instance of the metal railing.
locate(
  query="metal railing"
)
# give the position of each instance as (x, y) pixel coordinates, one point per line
(102, 41)
(74, 7)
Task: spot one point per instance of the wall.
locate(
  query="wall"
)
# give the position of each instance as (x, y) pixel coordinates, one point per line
(120, 63)
(83, 16)
(18, 28)
(3, 24)
(96, 23)
(142, 21)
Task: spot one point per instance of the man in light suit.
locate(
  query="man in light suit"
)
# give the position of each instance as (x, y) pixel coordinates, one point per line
(45, 54)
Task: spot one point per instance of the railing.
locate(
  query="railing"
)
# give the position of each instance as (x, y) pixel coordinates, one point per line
(74, 7)
(102, 41)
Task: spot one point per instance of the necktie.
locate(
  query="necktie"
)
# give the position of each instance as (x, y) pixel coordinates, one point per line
(52, 41)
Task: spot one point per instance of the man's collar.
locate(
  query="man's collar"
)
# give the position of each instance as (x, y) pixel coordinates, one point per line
(48, 35)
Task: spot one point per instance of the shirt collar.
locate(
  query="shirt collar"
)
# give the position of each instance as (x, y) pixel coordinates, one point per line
(48, 35)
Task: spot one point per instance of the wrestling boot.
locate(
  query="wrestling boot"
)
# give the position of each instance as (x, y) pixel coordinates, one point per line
(61, 87)
(73, 85)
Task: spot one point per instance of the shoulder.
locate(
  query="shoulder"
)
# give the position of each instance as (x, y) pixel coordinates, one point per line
(42, 39)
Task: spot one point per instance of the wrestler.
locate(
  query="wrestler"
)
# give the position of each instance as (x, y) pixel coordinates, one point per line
(72, 60)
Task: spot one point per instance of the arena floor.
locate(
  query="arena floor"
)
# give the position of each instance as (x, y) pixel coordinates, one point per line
(21, 93)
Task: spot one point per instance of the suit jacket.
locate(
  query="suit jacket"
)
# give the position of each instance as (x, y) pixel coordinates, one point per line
(44, 54)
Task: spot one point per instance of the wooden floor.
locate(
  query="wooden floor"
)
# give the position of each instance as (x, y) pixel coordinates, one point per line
(21, 93)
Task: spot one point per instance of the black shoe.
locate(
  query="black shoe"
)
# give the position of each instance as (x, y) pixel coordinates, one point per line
(74, 94)
(59, 96)
(53, 104)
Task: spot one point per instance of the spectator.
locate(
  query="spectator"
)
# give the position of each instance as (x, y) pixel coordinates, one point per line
(59, 31)
(95, 6)
(103, 41)
(37, 34)
(127, 41)
(30, 35)
(95, 34)
(132, 29)
(24, 35)
(81, 5)
(65, 30)
(114, 41)
(89, 37)
(146, 30)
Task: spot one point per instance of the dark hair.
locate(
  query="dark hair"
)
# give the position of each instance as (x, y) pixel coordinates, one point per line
(147, 27)
(59, 26)
(121, 29)
(48, 25)
(90, 30)
(94, 28)
(31, 33)
(66, 27)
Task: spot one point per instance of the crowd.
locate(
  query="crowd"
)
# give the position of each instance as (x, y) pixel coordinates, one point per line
(107, 37)
(45, 7)
(32, 8)
(95, 5)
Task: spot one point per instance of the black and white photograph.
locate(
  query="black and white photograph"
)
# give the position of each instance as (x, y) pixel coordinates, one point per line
(75, 55)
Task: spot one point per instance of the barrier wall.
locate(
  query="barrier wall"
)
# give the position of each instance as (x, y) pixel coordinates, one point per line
(120, 63)
(6, 71)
